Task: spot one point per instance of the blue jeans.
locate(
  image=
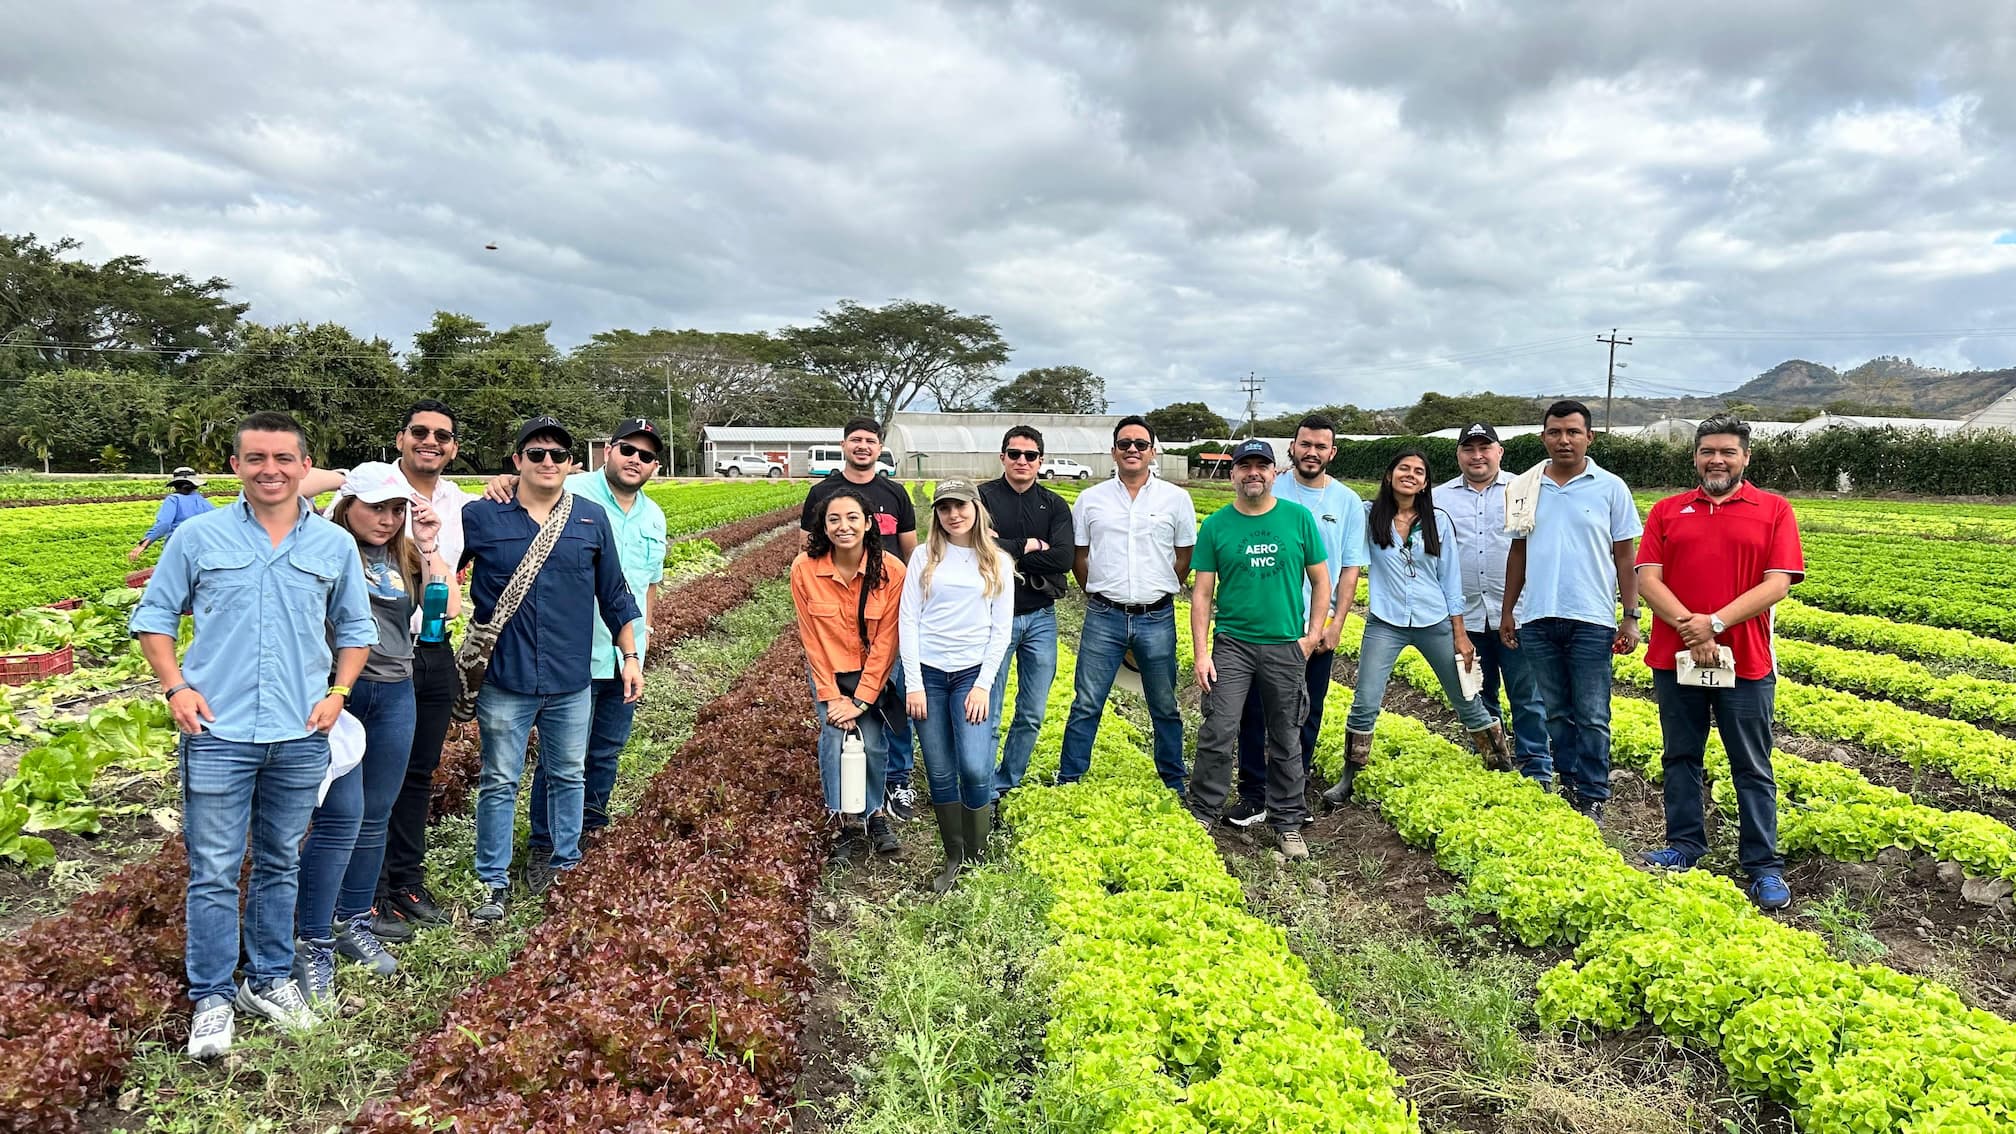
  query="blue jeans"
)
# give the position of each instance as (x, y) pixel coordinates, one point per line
(505, 721)
(1032, 647)
(1570, 662)
(874, 729)
(901, 756)
(1743, 717)
(1109, 633)
(608, 732)
(346, 841)
(958, 755)
(233, 791)
(1530, 749)
(1381, 649)
(1253, 727)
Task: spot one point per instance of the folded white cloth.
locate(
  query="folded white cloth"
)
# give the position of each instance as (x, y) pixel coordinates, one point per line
(346, 751)
(1522, 500)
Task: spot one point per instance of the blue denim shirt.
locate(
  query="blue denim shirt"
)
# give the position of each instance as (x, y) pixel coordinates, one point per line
(1410, 587)
(176, 508)
(266, 617)
(545, 648)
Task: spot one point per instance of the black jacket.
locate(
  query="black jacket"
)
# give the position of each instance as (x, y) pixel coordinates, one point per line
(1043, 514)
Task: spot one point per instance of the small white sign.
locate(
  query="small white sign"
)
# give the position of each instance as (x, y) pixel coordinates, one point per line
(1721, 675)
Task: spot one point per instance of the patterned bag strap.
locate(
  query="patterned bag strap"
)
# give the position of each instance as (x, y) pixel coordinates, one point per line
(528, 568)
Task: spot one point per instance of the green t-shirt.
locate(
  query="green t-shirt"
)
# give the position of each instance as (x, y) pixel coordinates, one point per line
(1261, 563)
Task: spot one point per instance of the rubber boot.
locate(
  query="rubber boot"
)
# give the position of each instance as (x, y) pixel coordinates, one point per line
(979, 826)
(1357, 754)
(952, 835)
(1490, 744)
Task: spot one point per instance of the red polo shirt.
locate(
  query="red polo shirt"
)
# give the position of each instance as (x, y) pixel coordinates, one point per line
(1709, 553)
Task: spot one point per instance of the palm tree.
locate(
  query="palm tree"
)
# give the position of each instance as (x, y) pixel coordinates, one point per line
(37, 439)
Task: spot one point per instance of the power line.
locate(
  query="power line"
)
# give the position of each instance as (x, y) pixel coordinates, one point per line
(1610, 383)
(1251, 384)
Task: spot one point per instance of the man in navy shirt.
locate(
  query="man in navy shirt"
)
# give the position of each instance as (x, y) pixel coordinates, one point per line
(540, 670)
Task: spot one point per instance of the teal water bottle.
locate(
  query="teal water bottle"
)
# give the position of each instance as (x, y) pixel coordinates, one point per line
(434, 610)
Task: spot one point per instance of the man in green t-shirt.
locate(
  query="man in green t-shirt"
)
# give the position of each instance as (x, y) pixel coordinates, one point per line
(1252, 557)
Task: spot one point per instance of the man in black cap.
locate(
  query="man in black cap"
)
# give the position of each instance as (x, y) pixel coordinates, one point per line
(1475, 502)
(629, 459)
(1252, 558)
(540, 671)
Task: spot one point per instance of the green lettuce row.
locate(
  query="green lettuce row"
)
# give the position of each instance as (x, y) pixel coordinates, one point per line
(1963, 697)
(1175, 1010)
(1853, 1049)
(1794, 619)
(1957, 604)
(1974, 756)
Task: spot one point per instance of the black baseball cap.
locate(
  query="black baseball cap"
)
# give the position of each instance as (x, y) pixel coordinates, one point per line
(633, 426)
(1476, 429)
(543, 424)
(1253, 447)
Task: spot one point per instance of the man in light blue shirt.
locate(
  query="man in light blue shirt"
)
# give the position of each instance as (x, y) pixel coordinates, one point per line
(185, 500)
(1475, 502)
(1562, 585)
(629, 460)
(279, 600)
(1340, 519)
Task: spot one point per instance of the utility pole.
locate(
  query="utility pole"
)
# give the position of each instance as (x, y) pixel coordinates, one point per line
(1251, 385)
(1610, 383)
(671, 441)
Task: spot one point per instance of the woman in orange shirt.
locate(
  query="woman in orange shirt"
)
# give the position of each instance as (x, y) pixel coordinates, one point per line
(846, 589)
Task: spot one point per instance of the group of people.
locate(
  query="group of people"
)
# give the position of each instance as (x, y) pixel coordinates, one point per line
(309, 626)
(317, 692)
(1527, 585)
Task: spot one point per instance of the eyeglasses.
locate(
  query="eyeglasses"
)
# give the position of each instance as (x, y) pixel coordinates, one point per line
(421, 433)
(539, 454)
(1022, 454)
(1407, 555)
(646, 455)
(1135, 443)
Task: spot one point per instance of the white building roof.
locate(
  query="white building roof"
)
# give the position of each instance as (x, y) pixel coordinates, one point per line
(1504, 431)
(944, 433)
(1998, 414)
(788, 434)
(1846, 421)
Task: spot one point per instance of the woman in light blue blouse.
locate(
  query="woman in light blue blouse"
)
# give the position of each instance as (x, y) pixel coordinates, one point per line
(1416, 580)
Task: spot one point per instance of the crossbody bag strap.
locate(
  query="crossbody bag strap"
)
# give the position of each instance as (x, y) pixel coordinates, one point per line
(528, 567)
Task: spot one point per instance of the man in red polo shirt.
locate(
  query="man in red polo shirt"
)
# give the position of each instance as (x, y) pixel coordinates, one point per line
(1712, 564)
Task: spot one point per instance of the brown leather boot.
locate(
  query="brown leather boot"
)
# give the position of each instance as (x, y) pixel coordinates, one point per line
(1490, 743)
(1357, 754)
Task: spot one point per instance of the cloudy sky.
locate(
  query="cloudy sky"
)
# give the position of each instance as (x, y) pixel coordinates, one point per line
(1357, 200)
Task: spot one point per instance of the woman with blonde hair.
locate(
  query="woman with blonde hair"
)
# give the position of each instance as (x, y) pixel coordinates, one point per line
(957, 613)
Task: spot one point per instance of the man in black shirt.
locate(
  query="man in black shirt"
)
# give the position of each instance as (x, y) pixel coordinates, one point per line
(896, 518)
(1033, 525)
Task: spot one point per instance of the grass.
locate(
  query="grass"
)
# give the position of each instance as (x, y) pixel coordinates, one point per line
(317, 1082)
(1843, 920)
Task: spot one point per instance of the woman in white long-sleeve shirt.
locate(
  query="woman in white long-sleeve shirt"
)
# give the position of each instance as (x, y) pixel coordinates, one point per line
(958, 609)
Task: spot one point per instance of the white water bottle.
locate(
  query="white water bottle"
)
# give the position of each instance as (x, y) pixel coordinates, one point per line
(853, 774)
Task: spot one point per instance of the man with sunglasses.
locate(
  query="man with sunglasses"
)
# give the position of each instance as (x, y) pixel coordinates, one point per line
(540, 671)
(1134, 535)
(629, 460)
(1033, 525)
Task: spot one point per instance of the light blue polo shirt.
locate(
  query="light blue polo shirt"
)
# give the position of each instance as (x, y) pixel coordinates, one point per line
(1569, 572)
(1340, 520)
(640, 544)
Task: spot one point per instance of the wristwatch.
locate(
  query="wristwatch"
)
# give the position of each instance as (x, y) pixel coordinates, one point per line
(1716, 624)
(1634, 612)
(632, 655)
(859, 704)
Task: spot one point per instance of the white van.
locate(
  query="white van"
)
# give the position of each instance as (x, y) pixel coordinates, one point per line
(821, 460)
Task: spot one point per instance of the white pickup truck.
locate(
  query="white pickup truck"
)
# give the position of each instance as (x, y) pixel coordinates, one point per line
(748, 464)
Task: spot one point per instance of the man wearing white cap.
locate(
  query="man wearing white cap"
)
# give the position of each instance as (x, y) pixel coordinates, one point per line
(183, 502)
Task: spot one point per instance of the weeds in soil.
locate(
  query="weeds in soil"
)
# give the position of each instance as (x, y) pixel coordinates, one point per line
(318, 1081)
(1844, 922)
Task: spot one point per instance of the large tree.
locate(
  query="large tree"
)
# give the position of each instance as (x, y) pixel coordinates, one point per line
(1052, 389)
(883, 358)
(1187, 421)
(494, 380)
(117, 315)
(1347, 418)
(348, 393)
(1442, 411)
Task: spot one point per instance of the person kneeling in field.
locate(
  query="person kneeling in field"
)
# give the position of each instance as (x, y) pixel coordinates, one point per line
(958, 612)
(1713, 563)
(1253, 557)
(1415, 579)
(847, 590)
(279, 599)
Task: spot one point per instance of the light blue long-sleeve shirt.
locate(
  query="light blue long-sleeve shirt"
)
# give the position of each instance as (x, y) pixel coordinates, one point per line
(176, 508)
(640, 544)
(1479, 516)
(1410, 587)
(266, 617)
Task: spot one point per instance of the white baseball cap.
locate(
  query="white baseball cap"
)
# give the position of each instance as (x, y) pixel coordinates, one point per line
(375, 482)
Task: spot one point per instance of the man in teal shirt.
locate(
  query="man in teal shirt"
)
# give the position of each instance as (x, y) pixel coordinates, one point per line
(638, 523)
(1252, 558)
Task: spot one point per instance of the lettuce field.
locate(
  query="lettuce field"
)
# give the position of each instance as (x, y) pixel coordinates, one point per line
(1461, 952)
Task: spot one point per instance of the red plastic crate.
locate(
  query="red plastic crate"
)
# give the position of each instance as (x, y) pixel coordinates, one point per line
(68, 604)
(20, 669)
(139, 578)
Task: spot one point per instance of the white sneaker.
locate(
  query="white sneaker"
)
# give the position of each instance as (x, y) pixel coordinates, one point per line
(281, 1003)
(1292, 846)
(210, 1033)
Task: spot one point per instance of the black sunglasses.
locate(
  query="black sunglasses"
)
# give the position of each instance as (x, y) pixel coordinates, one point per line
(538, 454)
(1135, 443)
(1022, 454)
(648, 456)
(421, 433)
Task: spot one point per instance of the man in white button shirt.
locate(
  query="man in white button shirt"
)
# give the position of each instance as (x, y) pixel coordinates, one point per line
(1134, 536)
(1475, 502)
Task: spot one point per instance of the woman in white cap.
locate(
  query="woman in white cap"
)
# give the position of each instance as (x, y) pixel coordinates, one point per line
(183, 502)
(346, 842)
(958, 610)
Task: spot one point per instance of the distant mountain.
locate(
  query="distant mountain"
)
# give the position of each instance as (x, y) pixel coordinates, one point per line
(1882, 381)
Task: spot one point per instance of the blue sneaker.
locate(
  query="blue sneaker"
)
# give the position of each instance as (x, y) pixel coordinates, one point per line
(1667, 859)
(1770, 892)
